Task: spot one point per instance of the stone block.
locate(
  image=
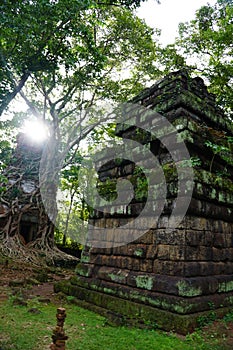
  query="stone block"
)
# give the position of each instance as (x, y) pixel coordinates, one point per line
(163, 252)
(95, 251)
(208, 238)
(145, 238)
(146, 265)
(177, 252)
(113, 275)
(229, 239)
(170, 268)
(130, 263)
(144, 281)
(198, 253)
(228, 267)
(205, 253)
(112, 222)
(139, 250)
(228, 254)
(202, 268)
(152, 251)
(192, 287)
(191, 269)
(219, 240)
(84, 269)
(194, 238)
(115, 261)
(171, 237)
(225, 284)
(123, 251)
(218, 254)
(171, 252)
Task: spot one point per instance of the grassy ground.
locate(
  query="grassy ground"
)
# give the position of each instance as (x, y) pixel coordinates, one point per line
(23, 330)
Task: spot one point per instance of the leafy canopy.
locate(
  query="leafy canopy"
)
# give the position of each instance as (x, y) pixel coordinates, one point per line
(38, 36)
(206, 44)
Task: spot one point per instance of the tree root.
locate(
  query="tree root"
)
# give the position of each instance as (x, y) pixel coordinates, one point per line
(35, 253)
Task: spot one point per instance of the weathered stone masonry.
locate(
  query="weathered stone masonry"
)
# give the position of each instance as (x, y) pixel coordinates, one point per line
(170, 277)
(21, 201)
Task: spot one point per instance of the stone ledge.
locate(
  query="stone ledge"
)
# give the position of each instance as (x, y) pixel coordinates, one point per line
(126, 312)
(184, 303)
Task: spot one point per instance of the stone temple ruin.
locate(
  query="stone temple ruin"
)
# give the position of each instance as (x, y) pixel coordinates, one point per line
(169, 277)
(23, 182)
(23, 218)
(26, 228)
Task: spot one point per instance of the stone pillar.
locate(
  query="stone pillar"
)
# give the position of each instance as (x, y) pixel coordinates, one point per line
(170, 276)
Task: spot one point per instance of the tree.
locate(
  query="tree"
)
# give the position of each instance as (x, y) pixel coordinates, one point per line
(67, 56)
(73, 206)
(206, 44)
(35, 37)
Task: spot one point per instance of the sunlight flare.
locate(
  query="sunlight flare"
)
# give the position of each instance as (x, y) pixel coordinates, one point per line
(36, 130)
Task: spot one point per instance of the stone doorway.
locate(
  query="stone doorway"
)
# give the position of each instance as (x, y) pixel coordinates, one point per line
(28, 228)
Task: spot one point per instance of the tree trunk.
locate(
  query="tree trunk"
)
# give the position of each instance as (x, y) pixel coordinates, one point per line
(26, 231)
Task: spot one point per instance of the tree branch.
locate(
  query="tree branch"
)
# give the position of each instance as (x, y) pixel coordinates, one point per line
(17, 86)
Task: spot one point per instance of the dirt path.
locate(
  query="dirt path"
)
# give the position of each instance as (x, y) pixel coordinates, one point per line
(30, 282)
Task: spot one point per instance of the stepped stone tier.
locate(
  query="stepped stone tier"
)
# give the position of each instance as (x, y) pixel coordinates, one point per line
(170, 277)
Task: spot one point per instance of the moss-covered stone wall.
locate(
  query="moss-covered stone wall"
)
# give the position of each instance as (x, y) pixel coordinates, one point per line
(169, 276)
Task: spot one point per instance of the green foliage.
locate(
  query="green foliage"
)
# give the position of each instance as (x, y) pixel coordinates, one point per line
(38, 37)
(3, 182)
(206, 44)
(141, 183)
(224, 150)
(72, 208)
(14, 192)
(107, 189)
(33, 40)
(66, 56)
(69, 243)
(228, 317)
(5, 147)
(195, 161)
(208, 319)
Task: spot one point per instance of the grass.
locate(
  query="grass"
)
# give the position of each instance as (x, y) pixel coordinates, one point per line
(22, 330)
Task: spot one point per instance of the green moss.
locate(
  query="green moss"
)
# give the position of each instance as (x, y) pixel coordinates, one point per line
(180, 124)
(144, 282)
(213, 180)
(109, 291)
(139, 252)
(83, 270)
(229, 300)
(180, 308)
(170, 172)
(193, 126)
(222, 197)
(116, 277)
(186, 290)
(85, 259)
(225, 287)
(213, 193)
(62, 286)
(134, 296)
(185, 135)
